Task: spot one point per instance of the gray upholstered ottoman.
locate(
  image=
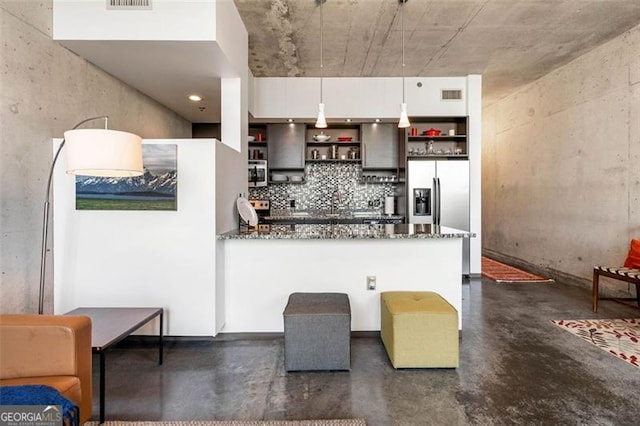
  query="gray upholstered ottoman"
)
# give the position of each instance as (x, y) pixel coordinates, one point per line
(317, 332)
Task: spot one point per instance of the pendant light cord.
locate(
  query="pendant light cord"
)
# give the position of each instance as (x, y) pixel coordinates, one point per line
(321, 48)
(402, 2)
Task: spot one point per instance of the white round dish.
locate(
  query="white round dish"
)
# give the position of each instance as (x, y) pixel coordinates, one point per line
(251, 138)
(321, 138)
(246, 211)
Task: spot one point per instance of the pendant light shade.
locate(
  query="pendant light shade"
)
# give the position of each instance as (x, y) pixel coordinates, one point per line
(404, 118)
(321, 121)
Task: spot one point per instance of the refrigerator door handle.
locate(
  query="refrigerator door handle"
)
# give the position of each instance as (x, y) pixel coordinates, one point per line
(439, 201)
(436, 201)
(364, 154)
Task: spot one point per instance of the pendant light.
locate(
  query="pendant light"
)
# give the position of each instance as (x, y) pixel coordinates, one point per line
(404, 119)
(321, 122)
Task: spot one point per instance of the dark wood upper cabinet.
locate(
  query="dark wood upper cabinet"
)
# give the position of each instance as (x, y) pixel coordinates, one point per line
(286, 146)
(379, 146)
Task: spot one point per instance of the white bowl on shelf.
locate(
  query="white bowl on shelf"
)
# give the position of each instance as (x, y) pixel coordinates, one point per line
(321, 137)
(251, 138)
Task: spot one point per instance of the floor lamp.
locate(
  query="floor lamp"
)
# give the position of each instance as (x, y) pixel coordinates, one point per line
(91, 152)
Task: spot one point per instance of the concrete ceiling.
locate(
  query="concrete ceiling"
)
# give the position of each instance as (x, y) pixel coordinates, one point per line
(509, 42)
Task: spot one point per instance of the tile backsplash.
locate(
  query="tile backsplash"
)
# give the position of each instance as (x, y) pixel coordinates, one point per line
(326, 182)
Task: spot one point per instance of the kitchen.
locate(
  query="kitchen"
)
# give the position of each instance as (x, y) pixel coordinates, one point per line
(361, 173)
(348, 204)
(312, 249)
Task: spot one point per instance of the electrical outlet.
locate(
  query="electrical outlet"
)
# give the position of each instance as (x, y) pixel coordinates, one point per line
(371, 282)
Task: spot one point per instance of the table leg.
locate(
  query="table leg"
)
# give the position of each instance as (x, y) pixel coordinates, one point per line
(161, 340)
(102, 385)
(594, 291)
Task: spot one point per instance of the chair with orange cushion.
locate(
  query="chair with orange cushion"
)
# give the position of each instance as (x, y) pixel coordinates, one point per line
(629, 273)
(51, 350)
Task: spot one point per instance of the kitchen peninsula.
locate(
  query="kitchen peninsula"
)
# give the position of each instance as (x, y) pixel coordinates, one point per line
(261, 268)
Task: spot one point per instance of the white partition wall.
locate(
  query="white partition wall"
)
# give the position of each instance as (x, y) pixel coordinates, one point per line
(145, 258)
(257, 295)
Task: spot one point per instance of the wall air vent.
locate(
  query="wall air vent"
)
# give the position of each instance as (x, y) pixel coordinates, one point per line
(451, 95)
(129, 4)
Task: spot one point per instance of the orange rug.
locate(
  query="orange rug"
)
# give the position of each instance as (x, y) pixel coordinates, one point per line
(502, 273)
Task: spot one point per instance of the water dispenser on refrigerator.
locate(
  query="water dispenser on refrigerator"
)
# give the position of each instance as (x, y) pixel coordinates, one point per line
(422, 201)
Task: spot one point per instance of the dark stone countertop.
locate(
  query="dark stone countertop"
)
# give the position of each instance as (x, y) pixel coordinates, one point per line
(337, 232)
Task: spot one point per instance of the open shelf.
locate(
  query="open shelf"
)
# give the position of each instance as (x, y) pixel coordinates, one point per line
(442, 146)
(337, 160)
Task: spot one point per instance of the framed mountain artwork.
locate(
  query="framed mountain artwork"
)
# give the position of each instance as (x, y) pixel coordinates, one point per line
(156, 189)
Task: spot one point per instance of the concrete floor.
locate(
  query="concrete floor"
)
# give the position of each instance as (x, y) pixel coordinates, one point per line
(516, 367)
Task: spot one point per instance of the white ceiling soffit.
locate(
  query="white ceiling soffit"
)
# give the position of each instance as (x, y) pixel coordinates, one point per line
(167, 71)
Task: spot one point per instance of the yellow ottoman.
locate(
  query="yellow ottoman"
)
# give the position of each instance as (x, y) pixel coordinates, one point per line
(419, 329)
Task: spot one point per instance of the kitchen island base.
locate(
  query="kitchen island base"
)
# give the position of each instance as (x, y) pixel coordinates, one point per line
(260, 274)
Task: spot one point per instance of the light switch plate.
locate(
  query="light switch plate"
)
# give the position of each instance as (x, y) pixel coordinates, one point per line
(371, 282)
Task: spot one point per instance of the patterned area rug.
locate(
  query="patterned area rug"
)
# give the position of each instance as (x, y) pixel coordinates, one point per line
(619, 337)
(329, 422)
(502, 273)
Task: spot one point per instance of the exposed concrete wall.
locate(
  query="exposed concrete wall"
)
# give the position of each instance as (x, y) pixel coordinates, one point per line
(44, 90)
(561, 174)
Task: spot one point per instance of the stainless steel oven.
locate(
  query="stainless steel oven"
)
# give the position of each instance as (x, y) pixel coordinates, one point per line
(263, 209)
(257, 173)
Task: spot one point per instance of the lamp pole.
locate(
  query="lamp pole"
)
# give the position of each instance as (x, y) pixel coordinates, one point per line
(45, 218)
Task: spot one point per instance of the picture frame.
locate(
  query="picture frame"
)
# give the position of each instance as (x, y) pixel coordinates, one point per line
(155, 189)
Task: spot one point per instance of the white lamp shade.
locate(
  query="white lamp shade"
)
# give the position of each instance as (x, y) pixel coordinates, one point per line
(404, 119)
(102, 152)
(321, 122)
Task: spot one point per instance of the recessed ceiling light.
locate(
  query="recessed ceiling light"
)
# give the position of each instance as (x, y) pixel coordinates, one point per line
(290, 120)
(377, 120)
(195, 98)
(348, 120)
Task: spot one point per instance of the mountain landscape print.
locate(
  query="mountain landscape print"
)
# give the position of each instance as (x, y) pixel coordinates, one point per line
(156, 189)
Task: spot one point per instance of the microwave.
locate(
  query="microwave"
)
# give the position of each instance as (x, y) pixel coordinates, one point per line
(257, 173)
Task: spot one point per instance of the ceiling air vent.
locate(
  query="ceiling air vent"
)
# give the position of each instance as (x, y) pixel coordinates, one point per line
(452, 95)
(128, 4)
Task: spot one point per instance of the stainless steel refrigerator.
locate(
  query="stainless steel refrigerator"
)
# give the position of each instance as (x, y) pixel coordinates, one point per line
(438, 193)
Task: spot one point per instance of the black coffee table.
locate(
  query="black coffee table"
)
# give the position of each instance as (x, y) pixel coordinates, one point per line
(110, 325)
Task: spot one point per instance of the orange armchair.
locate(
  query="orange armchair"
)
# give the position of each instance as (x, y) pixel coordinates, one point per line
(52, 350)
